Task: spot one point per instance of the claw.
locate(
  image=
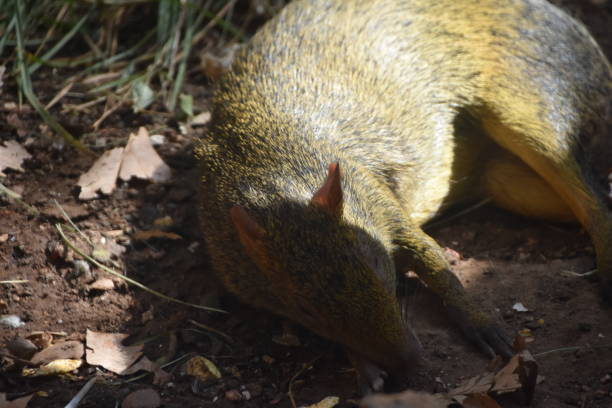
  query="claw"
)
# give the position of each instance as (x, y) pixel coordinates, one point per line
(486, 335)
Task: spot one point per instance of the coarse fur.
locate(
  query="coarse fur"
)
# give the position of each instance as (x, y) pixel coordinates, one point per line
(421, 104)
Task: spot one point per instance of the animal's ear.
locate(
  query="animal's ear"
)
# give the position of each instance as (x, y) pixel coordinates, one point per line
(329, 197)
(250, 233)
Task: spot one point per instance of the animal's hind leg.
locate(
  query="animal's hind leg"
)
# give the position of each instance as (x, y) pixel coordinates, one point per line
(555, 159)
(514, 186)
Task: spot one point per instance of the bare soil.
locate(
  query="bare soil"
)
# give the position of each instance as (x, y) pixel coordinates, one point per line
(501, 258)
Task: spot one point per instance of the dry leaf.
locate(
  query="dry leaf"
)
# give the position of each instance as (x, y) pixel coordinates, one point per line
(106, 350)
(149, 234)
(102, 175)
(480, 401)
(327, 402)
(202, 368)
(16, 403)
(160, 377)
(42, 340)
(63, 366)
(406, 399)
(71, 350)
(12, 155)
(142, 161)
(480, 384)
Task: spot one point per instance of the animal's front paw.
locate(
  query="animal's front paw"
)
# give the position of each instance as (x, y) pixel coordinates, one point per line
(370, 377)
(482, 331)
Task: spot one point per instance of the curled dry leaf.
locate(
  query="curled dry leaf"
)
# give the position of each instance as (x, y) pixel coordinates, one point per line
(64, 350)
(327, 402)
(202, 368)
(102, 175)
(12, 155)
(150, 234)
(160, 377)
(62, 366)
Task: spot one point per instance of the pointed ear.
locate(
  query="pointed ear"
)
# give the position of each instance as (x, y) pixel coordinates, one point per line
(250, 233)
(329, 197)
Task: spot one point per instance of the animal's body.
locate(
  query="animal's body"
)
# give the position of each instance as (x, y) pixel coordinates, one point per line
(345, 125)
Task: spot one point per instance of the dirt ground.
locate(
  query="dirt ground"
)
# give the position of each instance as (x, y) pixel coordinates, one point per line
(501, 258)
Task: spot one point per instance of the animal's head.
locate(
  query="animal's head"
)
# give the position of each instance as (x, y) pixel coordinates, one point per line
(330, 276)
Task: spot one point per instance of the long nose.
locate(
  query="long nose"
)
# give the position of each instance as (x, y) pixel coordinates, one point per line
(407, 356)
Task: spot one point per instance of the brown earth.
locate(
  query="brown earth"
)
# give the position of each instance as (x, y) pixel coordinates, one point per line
(501, 258)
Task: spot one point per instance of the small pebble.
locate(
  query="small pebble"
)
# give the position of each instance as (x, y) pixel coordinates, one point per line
(157, 140)
(11, 321)
(22, 348)
(82, 269)
(233, 395)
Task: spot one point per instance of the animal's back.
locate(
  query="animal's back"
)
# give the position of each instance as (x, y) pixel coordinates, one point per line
(388, 82)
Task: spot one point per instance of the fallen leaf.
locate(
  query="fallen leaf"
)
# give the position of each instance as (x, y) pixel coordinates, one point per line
(327, 402)
(160, 377)
(201, 118)
(41, 339)
(102, 175)
(150, 234)
(106, 350)
(406, 399)
(16, 403)
(140, 160)
(12, 155)
(480, 384)
(202, 368)
(64, 350)
(480, 401)
(147, 398)
(63, 366)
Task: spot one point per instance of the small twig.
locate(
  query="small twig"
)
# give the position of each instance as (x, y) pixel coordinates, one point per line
(108, 112)
(59, 95)
(295, 376)
(573, 348)
(10, 282)
(461, 213)
(212, 330)
(59, 229)
(72, 224)
(81, 394)
(83, 106)
(579, 275)
(14, 197)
